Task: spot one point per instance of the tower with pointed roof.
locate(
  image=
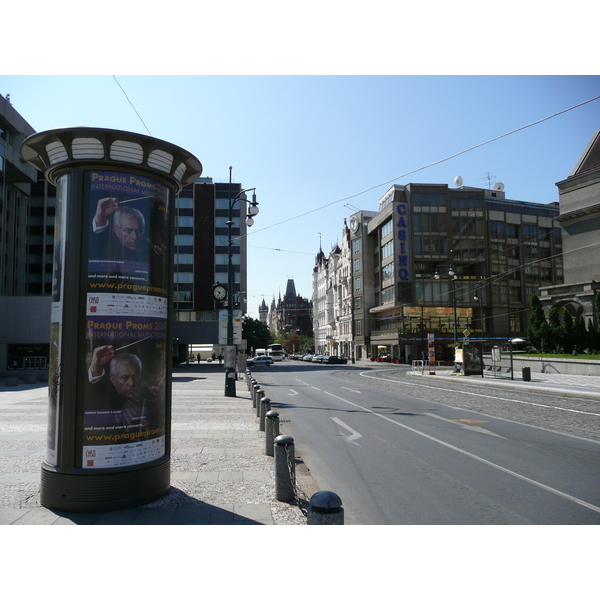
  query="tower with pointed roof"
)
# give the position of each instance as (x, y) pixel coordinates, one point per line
(263, 312)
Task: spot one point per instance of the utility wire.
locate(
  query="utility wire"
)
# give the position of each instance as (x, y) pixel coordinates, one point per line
(130, 102)
(437, 162)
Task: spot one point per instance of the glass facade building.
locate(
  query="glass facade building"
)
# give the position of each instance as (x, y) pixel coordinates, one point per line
(454, 263)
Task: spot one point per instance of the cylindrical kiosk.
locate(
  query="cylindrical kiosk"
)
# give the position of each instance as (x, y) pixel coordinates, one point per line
(109, 418)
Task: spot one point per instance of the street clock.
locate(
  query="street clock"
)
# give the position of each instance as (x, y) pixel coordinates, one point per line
(354, 224)
(219, 292)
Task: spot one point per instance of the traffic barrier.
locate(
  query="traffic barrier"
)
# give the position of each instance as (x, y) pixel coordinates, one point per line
(285, 468)
(271, 431)
(259, 396)
(325, 508)
(265, 407)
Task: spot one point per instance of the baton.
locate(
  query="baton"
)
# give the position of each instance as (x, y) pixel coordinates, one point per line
(133, 343)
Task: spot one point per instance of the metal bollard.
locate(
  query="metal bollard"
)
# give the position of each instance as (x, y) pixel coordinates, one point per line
(325, 509)
(259, 396)
(285, 471)
(271, 430)
(255, 389)
(265, 407)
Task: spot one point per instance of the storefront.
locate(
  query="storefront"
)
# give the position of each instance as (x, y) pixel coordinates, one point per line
(27, 356)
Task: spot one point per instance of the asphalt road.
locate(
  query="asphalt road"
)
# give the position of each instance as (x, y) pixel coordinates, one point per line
(402, 450)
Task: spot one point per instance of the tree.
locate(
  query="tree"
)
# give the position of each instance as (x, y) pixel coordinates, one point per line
(567, 337)
(256, 333)
(580, 334)
(536, 321)
(553, 339)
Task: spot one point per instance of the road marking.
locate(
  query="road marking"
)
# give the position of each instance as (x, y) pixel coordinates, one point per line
(315, 388)
(433, 387)
(292, 393)
(463, 423)
(354, 434)
(475, 457)
(351, 390)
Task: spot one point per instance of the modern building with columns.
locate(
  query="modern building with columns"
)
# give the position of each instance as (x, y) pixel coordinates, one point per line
(579, 220)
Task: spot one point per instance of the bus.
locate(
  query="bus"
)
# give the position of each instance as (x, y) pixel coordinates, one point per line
(275, 351)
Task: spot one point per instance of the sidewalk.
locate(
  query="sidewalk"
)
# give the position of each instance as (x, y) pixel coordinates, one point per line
(220, 474)
(575, 386)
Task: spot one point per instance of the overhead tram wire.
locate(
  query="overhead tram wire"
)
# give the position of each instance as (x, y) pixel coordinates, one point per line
(437, 162)
(134, 108)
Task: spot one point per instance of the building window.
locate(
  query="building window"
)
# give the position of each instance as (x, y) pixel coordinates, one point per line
(387, 250)
(357, 264)
(221, 259)
(387, 295)
(184, 259)
(386, 229)
(185, 221)
(184, 203)
(387, 271)
(182, 296)
(357, 284)
(184, 240)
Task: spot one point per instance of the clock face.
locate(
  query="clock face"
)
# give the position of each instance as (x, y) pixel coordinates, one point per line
(219, 292)
(354, 224)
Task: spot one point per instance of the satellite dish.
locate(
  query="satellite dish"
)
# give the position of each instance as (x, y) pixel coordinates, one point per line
(458, 180)
(499, 187)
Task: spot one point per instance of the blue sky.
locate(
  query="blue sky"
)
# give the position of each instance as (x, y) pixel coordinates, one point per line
(308, 142)
(323, 122)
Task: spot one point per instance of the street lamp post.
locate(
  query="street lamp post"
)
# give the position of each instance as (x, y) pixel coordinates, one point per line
(230, 372)
(479, 296)
(453, 277)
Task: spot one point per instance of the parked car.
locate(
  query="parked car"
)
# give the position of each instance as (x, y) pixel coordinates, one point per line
(260, 361)
(336, 360)
(307, 358)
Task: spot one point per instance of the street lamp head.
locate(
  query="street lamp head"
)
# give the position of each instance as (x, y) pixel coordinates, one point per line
(249, 221)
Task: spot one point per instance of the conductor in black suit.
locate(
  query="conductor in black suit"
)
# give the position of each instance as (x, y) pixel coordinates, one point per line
(130, 401)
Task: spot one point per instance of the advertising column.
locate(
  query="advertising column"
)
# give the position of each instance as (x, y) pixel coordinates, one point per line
(110, 378)
(126, 300)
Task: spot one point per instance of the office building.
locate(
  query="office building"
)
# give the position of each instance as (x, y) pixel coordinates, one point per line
(27, 208)
(452, 262)
(201, 259)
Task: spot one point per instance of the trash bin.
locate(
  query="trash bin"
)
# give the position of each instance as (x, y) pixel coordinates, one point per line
(526, 373)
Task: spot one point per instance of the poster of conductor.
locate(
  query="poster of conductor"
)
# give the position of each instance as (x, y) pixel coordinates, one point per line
(123, 410)
(128, 232)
